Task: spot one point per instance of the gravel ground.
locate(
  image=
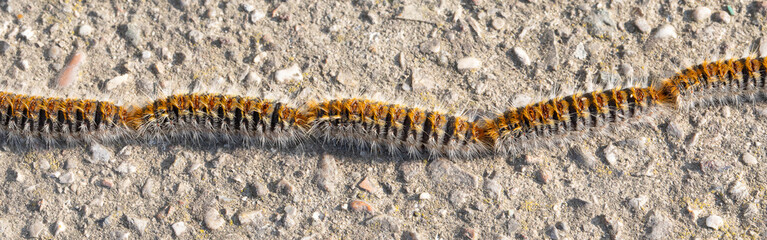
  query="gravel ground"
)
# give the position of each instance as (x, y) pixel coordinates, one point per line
(683, 174)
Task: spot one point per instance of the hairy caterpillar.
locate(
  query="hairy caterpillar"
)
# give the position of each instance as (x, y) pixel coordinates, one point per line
(718, 82)
(396, 128)
(555, 119)
(193, 116)
(33, 119)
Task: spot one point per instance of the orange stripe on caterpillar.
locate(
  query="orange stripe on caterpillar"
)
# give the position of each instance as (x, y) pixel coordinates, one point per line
(50, 120)
(398, 129)
(192, 116)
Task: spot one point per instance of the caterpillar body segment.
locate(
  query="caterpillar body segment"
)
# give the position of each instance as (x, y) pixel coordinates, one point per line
(395, 128)
(197, 116)
(556, 120)
(33, 119)
(719, 82)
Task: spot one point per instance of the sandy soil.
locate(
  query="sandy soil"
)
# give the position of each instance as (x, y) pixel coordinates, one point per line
(675, 177)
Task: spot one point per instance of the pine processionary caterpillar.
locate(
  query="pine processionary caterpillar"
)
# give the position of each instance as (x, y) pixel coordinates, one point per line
(719, 82)
(552, 120)
(395, 128)
(192, 116)
(33, 119)
(372, 124)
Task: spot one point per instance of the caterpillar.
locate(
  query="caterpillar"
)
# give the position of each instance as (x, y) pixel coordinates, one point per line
(719, 82)
(378, 125)
(197, 116)
(373, 124)
(33, 119)
(553, 120)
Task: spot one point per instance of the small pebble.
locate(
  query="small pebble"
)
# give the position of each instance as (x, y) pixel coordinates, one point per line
(372, 17)
(544, 176)
(327, 170)
(67, 178)
(749, 159)
(60, 227)
(250, 217)
(18, 176)
(739, 191)
(133, 34)
(43, 164)
(424, 196)
(692, 139)
(580, 52)
(638, 203)
(24, 65)
(420, 80)
(256, 16)
(213, 219)
(674, 130)
(522, 56)
(611, 154)
(469, 63)
(158, 68)
(292, 73)
(125, 168)
(626, 70)
(498, 23)
(701, 14)
(146, 54)
(179, 228)
(196, 36)
(715, 222)
(289, 220)
(658, 227)
(665, 32)
(366, 185)
(100, 154)
(85, 30)
(118, 81)
(107, 183)
(431, 46)
(28, 35)
(285, 187)
(722, 17)
(138, 224)
(260, 189)
(361, 206)
(248, 7)
(582, 156)
(470, 233)
(317, 217)
(36, 229)
(147, 191)
(642, 25)
(493, 189)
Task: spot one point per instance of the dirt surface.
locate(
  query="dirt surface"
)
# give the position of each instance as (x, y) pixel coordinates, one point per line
(675, 177)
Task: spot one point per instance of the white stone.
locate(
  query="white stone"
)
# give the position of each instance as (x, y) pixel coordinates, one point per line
(700, 14)
(715, 222)
(469, 63)
(118, 81)
(68, 178)
(59, 228)
(293, 73)
(749, 159)
(424, 196)
(85, 30)
(179, 228)
(213, 219)
(257, 15)
(138, 224)
(249, 217)
(522, 56)
(665, 32)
